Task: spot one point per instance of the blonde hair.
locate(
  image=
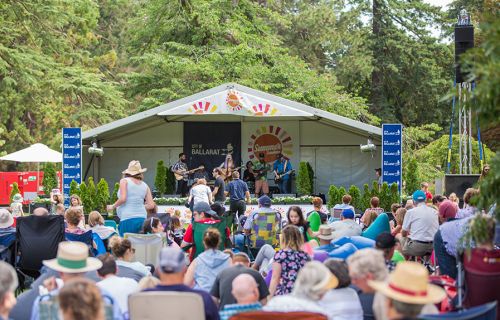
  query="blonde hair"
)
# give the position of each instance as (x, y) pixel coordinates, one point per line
(453, 198)
(148, 282)
(75, 196)
(80, 299)
(292, 238)
(469, 194)
(95, 219)
(60, 208)
(400, 216)
(370, 216)
(73, 215)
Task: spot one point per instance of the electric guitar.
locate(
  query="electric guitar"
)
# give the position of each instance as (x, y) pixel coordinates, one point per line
(184, 173)
(277, 177)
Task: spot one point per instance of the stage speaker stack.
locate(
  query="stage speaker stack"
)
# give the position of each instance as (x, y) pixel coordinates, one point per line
(458, 183)
(464, 40)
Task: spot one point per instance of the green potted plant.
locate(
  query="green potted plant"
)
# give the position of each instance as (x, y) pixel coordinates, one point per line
(49, 178)
(160, 178)
(304, 186)
(332, 196)
(355, 193)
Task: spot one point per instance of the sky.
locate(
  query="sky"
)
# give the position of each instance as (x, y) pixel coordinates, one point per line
(440, 3)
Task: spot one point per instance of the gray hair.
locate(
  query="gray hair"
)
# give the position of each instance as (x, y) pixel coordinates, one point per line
(366, 261)
(311, 281)
(8, 279)
(407, 309)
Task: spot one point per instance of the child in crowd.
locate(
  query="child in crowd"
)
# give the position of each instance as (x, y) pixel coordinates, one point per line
(55, 198)
(60, 209)
(16, 207)
(75, 201)
(369, 216)
(296, 218)
(177, 230)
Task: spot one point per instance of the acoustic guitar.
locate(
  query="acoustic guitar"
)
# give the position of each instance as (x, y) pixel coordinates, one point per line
(227, 174)
(185, 173)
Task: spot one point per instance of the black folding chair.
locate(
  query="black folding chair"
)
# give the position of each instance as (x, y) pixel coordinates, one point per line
(37, 239)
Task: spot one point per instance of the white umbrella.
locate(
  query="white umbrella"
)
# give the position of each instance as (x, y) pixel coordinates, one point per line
(37, 152)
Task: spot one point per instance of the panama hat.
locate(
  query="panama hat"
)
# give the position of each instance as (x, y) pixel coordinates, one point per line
(409, 283)
(134, 168)
(325, 232)
(6, 219)
(73, 257)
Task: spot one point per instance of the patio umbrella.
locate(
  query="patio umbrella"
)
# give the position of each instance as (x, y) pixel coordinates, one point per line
(37, 152)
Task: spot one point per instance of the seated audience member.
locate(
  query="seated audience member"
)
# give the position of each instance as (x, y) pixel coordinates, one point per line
(202, 214)
(148, 283)
(60, 209)
(346, 227)
(346, 203)
(369, 217)
(468, 209)
(447, 211)
(203, 270)
(296, 218)
(317, 203)
(386, 243)
(288, 261)
(72, 263)
(365, 265)
(245, 290)
(172, 268)
(73, 217)
(221, 290)
(152, 225)
(407, 291)
(409, 204)
(399, 218)
(437, 200)
(41, 212)
(80, 299)
(124, 253)
(374, 205)
(177, 230)
(264, 259)
(453, 198)
(342, 302)
(313, 282)
(119, 288)
(6, 222)
(96, 224)
(392, 214)
(325, 237)
(419, 227)
(8, 284)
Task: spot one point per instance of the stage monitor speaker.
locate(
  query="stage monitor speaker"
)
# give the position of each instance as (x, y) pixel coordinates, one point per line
(458, 183)
(464, 40)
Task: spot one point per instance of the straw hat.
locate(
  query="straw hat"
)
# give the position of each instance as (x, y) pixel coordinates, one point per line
(325, 232)
(134, 168)
(6, 219)
(73, 257)
(409, 283)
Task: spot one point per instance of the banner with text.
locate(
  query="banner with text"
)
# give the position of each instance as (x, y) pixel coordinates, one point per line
(72, 159)
(208, 143)
(392, 154)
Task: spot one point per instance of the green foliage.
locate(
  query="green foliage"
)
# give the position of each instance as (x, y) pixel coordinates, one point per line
(410, 176)
(355, 193)
(84, 196)
(310, 171)
(74, 188)
(14, 191)
(169, 181)
(394, 194)
(160, 179)
(304, 186)
(385, 197)
(102, 198)
(365, 199)
(49, 178)
(92, 200)
(375, 189)
(114, 197)
(333, 196)
(341, 193)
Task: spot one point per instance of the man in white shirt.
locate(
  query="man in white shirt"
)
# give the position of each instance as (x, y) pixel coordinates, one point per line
(346, 227)
(119, 288)
(419, 227)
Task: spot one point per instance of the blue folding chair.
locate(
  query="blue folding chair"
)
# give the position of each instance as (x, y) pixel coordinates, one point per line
(7, 241)
(87, 238)
(487, 311)
(111, 223)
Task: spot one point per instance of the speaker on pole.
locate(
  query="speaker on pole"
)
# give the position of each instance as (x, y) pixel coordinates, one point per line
(464, 40)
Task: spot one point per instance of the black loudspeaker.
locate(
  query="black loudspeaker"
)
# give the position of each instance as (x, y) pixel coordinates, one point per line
(464, 40)
(458, 183)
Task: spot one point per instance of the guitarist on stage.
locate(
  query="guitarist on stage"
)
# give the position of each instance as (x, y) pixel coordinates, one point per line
(282, 171)
(260, 170)
(180, 168)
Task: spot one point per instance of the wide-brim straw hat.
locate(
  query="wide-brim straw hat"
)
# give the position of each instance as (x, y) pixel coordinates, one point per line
(134, 168)
(325, 232)
(409, 283)
(6, 219)
(73, 257)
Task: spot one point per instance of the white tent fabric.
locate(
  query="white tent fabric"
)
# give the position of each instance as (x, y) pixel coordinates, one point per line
(37, 152)
(238, 103)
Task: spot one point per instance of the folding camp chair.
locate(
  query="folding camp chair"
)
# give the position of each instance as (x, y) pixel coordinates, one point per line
(486, 311)
(266, 227)
(49, 307)
(147, 247)
(7, 246)
(263, 315)
(86, 238)
(198, 231)
(180, 305)
(111, 223)
(37, 239)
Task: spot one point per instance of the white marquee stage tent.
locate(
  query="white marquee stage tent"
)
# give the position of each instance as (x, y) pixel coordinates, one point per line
(267, 123)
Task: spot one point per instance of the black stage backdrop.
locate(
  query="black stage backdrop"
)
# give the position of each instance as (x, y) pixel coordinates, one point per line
(208, 143)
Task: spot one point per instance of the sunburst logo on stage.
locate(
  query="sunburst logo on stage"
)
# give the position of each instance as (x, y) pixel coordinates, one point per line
(234, 101)
(271, 141)
(202, 108)
(262, 110)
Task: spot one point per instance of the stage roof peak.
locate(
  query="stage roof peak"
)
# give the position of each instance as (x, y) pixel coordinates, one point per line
(230, 100)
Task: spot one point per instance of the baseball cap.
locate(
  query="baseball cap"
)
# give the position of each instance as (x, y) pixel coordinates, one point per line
(348, 214)
(172, 260)
(385, 240)
(419, 196)
(205, 207)
(265, 201)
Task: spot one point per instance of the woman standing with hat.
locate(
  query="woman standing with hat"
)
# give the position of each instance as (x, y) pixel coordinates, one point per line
(134, 197)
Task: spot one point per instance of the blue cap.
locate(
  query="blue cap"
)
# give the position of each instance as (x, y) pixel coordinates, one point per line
(419, 196)
(205, 207)
(348, 214)
(265, 201)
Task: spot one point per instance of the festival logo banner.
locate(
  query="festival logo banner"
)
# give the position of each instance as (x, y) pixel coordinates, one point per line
(208, 143)
(392, 154)
(271, 140)
(72, 159)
